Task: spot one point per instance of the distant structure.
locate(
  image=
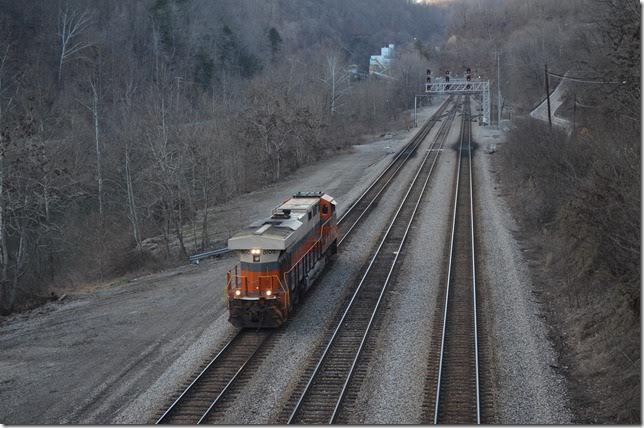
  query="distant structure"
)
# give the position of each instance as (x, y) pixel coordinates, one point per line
(354, 71)
(380, 65)
(461, 86)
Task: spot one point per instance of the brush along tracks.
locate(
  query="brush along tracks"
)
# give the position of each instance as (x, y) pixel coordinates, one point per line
(209, 394)
(320, 400)
(452, 393)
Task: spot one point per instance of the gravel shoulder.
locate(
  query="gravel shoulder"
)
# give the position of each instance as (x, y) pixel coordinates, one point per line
(117, 353)
(529, 390)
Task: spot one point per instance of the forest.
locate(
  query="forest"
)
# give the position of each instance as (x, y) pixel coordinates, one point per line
(122, 122)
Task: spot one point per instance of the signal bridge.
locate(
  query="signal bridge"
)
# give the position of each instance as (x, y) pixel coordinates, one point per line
(464, 87)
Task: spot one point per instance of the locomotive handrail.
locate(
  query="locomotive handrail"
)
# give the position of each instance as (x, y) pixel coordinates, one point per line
(245, 281)
(230, 275)
(312, 247)
(284, 289)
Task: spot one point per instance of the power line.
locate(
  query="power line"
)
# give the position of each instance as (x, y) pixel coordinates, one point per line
(586, 79)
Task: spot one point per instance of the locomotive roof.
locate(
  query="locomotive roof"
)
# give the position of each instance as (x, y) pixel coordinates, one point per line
(269, 234)
(297, 204)
(288, 222)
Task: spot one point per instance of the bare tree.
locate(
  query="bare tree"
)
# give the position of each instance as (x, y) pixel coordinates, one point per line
(337, 80)
(94, 109)
(4, 105)
(71, 26)
(126, 121)
(168, 163)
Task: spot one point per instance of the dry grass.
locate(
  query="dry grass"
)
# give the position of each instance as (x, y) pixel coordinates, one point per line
(578, 203)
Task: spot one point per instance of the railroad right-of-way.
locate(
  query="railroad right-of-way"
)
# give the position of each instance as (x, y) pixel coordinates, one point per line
(204, 396)
(328, 391)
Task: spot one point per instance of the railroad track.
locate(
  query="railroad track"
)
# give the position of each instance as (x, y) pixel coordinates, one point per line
(202, 400)
(199, 399)
(452, 392)
(321, 399)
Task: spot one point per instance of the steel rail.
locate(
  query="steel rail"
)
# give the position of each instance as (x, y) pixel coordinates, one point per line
(359, 288)
(195, 380)
(393, 161)
(476, 333)
(465, 125)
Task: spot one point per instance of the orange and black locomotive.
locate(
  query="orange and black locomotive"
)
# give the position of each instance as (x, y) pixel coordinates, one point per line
(280, 257)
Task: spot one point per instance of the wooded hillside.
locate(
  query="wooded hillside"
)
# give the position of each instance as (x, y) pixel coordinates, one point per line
(125, 120)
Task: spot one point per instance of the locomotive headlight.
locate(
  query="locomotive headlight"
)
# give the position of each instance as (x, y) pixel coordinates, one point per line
(256, 251)
(237, 292)
(269, 292)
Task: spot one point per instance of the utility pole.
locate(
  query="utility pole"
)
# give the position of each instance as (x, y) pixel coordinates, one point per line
(498, 87)
(415, 104)
(548, 97)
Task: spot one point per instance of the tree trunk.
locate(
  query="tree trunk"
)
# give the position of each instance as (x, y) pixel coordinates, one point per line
(60, 67)
(133, 216)
(99, 171)
(179, 233)
(18, 266)
(166, 230)
(4, 255)
(204, 226)
(178, 222)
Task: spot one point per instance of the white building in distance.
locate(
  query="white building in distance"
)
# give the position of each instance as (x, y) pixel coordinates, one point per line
(380, 65)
